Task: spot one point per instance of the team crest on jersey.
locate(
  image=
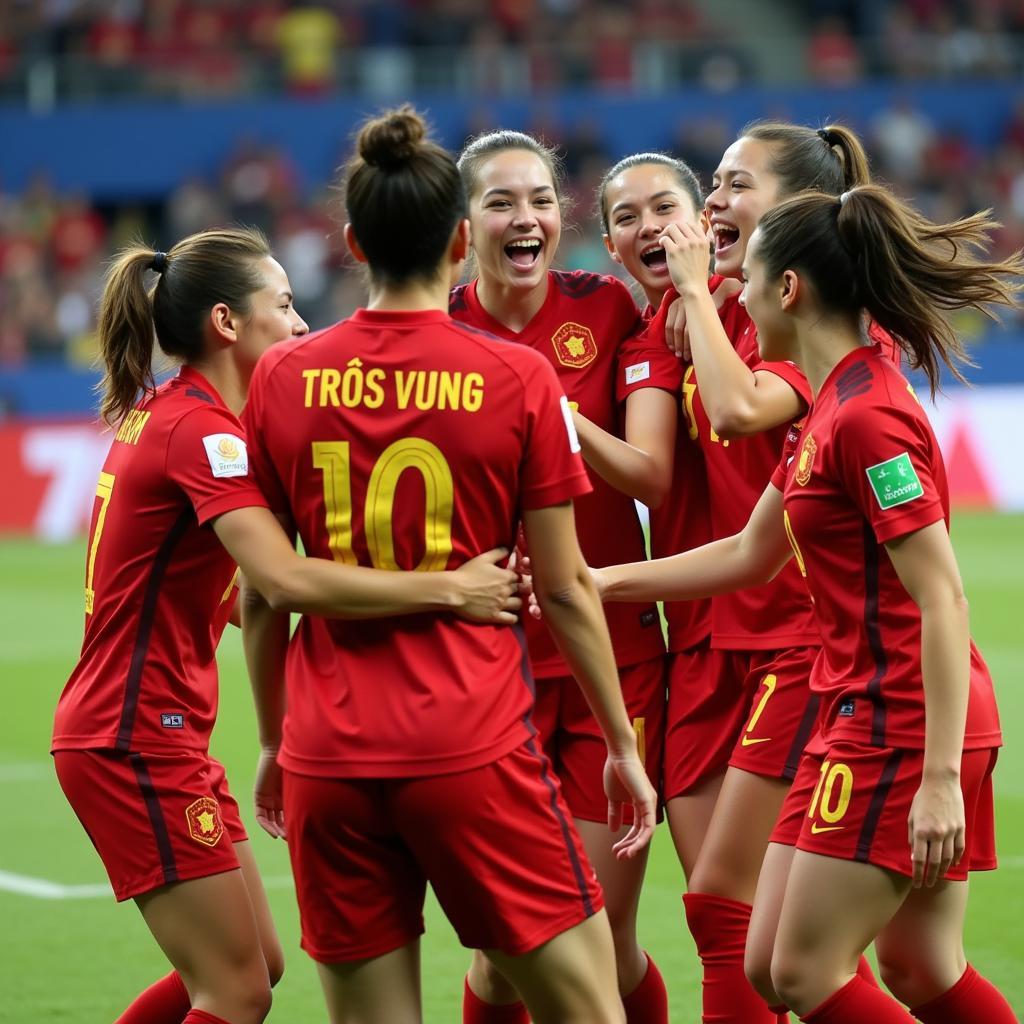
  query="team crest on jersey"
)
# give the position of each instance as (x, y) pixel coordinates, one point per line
(806, 461)
(574, 345)
(204, 824)
(227, 454)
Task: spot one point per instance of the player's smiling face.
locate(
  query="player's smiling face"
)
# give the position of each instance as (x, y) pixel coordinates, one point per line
(272, 316)
(515, 220)
(640, 203)
(743, 189)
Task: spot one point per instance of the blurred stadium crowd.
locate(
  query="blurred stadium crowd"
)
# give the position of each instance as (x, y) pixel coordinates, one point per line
(53, 247)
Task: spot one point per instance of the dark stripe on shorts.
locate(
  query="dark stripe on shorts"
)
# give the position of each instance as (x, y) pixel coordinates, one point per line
(874, 633)
(133, 684)
(563, 823)
(156, 817)
(803, 734)
(878, 798)
(524, 662)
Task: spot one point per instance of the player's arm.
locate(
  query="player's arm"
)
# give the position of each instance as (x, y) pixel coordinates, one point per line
(641, 465)
(738, 400)
(265, 642)
(926, 566)
(479, 590)
(565, 592)
(748, 558)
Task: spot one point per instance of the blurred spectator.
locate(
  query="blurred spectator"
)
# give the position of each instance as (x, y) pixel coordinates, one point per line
(309, 36)
(833, 58)
(901, 136)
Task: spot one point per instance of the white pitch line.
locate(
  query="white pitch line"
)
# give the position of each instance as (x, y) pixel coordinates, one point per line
(44, 889)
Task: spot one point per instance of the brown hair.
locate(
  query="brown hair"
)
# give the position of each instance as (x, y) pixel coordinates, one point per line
(830, 159)
(868, 250)
(403, 195)
(196, 274)
(480, 149)
(683, 173)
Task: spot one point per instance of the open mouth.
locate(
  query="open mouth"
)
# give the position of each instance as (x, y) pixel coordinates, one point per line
(725, 237)
(654, 258)
(524, 252)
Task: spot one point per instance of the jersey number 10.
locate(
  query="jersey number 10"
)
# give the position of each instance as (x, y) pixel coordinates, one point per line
(334, 460)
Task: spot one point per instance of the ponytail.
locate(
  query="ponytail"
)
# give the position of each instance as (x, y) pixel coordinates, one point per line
(196, 274)
(866, 250)
(126, 334)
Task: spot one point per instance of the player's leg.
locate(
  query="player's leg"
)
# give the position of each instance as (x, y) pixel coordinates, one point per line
(920, 952)
(780, 719)
(511, 874)
(382, 988)
(207, 929)
(704, 720)
(488, 996)
(360, 893)
(764, 922)
(832, 910)
(582, 755)
(570, 979)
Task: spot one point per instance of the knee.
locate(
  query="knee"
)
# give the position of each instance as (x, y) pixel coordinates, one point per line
(788, 978)
(915, 981)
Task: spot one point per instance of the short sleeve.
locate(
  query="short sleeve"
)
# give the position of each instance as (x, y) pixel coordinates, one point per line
(208, 458)
(644, 361)
(791, 374)
(781, 471)
(888, 462)
(552, 468)
(261, 466)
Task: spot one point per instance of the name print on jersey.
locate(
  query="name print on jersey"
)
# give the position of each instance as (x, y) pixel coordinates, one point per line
(371, 388)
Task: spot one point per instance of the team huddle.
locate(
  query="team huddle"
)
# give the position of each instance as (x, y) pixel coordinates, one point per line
(481, 693)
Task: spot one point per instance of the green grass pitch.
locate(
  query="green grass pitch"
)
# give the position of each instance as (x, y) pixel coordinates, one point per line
(80, 960)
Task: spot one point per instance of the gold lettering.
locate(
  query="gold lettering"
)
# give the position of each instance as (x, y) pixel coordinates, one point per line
(310, 377)
(374, 397)
(352, 384)
(448, 393)
(426, 389)
(404, 385)
(473, 392)
(329, 381)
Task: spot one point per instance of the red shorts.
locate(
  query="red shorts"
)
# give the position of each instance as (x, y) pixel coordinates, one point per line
(782, 713)
(153, 818)
(853, 803)
(496, 843)
(707, 710)
(574, 742)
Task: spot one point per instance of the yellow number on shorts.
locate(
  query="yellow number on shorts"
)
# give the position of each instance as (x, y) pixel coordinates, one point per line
(104, 489)
(333, 459)
(832, 808)
(689, 391)
(640, 731)
(769, 683)
(793, 544)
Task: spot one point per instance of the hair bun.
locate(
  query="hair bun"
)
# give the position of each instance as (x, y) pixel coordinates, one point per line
(393, 139)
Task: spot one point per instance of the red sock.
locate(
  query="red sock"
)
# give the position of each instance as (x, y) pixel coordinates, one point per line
(202, 1017)
(857, 1002)
(165, 1002)
(719, 928)
(648, 1002)
(971, 999)
(865, 973)
(476, 1011)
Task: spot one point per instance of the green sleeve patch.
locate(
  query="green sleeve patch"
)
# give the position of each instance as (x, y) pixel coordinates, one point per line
(895, 481)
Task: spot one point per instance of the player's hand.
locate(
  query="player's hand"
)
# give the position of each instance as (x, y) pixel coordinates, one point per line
(936, 829)
(267, 794)
(486, 591)
(626, 782)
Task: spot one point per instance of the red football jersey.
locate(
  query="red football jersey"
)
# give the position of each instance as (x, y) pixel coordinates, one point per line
(407, 441)
(867, 470)
(579, 330)
(158, 583)
(683, 520)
